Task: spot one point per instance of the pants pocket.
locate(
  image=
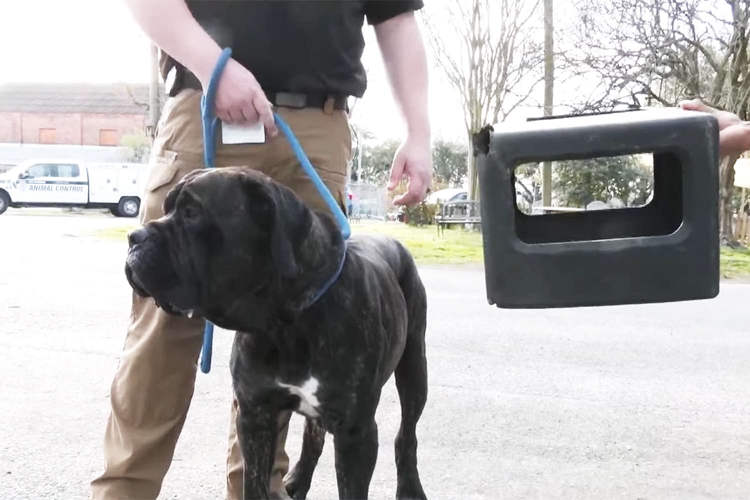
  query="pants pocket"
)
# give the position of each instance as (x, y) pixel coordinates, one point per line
(166, 169)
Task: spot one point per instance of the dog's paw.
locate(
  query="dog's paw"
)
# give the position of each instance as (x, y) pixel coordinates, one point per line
(279, 495)
(295, 485)
(412, 492)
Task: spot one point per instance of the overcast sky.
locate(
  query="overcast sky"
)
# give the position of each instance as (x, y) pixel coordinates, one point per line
(98, 41)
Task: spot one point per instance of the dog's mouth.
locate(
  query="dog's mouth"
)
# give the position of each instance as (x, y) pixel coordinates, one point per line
(168, 307)
(135, 284)
(176, 311)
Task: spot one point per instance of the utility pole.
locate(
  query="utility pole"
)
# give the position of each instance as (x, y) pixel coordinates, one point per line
(361, 147)
(549, 84)
(154, 106)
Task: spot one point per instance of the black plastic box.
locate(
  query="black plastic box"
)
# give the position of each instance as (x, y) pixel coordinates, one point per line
(664, 251)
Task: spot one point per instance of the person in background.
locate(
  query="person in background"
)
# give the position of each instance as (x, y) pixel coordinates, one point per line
(734, 134)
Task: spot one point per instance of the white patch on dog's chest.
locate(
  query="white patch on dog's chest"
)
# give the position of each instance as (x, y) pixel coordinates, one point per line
(308, 401)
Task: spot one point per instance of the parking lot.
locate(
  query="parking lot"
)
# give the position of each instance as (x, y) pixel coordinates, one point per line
(647, 401)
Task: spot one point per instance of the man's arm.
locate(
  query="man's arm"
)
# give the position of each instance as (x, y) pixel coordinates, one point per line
(406, 64)
(171, 26)
(734, 134)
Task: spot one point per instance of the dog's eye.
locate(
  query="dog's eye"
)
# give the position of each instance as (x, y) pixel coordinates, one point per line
(190, 212)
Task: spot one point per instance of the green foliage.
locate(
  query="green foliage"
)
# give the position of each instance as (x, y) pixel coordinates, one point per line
(448, 159)
(449, 163)
(422, 214)
(579, 182)
(737, 197)
(139, 145)
(376, 162)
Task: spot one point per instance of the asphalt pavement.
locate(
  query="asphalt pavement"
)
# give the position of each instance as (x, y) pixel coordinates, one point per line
(649, 401)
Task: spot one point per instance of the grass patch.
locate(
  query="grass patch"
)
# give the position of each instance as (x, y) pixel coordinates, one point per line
(458, 246)
(115, 233)
(735, 263)
(454, 246)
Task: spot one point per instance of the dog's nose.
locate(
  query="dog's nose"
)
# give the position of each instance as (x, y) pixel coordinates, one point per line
(137, 236)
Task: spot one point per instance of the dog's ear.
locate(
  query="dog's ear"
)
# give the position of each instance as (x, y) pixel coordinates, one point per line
(171, 199)
(282, 214)
(285, 223)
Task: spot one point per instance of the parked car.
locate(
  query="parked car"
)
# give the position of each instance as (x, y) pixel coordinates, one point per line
(442, 196)
(64, 183)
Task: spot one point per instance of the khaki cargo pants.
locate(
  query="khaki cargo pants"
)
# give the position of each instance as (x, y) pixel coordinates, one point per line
(154, 382)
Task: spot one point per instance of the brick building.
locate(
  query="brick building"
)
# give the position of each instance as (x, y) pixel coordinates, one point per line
(64, 113)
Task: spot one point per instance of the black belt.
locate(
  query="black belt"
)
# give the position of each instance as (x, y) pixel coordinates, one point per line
(297, 100)
(312, 100)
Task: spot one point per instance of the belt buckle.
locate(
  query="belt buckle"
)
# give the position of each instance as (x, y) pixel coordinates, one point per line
(291, 100)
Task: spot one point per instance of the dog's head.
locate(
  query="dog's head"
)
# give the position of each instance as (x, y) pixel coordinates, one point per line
(230, 240)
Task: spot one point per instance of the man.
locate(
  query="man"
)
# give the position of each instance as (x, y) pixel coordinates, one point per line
(303, 58)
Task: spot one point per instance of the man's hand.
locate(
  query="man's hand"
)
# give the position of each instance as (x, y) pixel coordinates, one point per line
(406, 65)
(413, 161)
(734, 134)
(240, 100)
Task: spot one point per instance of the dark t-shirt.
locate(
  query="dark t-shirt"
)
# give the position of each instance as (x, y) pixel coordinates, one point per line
(306, 46)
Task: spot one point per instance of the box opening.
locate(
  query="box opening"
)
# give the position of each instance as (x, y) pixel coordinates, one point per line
(600, 198)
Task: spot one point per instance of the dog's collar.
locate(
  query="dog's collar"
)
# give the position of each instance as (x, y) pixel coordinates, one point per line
(331, 280)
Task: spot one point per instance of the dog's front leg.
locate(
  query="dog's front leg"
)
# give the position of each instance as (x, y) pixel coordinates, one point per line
(256, 431)
(356, 453)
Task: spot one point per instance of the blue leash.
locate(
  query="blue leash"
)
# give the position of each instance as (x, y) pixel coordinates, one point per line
(210, 121)
(314, 177)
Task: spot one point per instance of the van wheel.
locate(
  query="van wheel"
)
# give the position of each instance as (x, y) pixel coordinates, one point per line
(4, 201)
(128, 207)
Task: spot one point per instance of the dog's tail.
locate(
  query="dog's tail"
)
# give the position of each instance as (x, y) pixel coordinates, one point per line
(414, 292)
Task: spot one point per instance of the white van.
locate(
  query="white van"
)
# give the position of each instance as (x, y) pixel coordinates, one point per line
(65, 183)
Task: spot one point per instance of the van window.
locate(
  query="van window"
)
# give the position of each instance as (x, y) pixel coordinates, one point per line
(52, 170)
(42, 170)
(67, 170)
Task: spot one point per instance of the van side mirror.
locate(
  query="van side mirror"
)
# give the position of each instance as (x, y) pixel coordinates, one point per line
(23, 175)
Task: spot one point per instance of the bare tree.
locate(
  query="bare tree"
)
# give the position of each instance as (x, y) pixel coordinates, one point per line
(662, 51)
(489, 53)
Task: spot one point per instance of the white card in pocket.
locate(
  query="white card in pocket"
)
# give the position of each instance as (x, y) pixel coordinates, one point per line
(242, 134)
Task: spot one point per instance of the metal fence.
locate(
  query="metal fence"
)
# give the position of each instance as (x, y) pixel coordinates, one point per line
(368, 201)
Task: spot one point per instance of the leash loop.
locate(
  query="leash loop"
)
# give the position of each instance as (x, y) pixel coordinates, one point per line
(209, 120)
(208, 114)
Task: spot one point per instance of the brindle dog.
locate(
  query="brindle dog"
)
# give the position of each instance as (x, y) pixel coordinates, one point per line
(244, 252)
